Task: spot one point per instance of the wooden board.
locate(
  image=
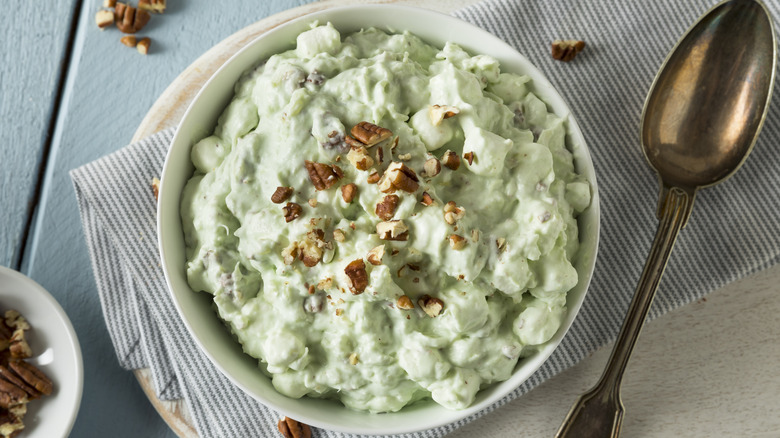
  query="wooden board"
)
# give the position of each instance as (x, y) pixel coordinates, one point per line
(169, 108)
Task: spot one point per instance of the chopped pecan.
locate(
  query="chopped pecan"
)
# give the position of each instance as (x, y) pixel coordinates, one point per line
(404, 302)
(376, 254)
(104, 18)
(457, 242)
(157, 6)
(450, 160)
(453, 213)
(356, 272)
(393, 230)
(469, 157)
(369, 133)
(293, 429)
(358, 156)
(431, 306)
(438, 113)
(130, 20)
(373, 177)
(380, 154)
(310, 252)
(312, 202)
(338, 235)
(128, 40)
(290, 253)
(18, 346)
(398, 177)
(292, 211)
(143, 45)
(404, 157)
(386, 209)
(281, 194)
(323, 176)
(566, 50)
(431, 167)
(427, 199)
(348, 192)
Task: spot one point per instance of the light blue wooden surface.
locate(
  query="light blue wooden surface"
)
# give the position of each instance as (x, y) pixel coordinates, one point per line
(33, 40)
(108, 91)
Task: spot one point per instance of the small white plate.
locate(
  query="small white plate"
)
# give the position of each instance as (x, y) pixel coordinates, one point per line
(56, 352)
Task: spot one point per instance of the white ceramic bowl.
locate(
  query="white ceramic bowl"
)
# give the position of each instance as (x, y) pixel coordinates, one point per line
(199, 120)
(56, 352)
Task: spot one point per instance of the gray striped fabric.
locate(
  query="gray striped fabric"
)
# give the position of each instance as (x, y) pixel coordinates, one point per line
(734, 231)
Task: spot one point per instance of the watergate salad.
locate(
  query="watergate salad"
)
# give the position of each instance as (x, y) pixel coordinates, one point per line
(381, 221)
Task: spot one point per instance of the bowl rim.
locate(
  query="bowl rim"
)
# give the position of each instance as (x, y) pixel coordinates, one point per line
(458, 30)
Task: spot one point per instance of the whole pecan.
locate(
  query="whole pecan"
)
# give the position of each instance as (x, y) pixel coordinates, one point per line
(322, 175)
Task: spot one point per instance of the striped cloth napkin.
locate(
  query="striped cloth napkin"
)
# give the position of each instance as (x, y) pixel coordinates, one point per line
(734, 230)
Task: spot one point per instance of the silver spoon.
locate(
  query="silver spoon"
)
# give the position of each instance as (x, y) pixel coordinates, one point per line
(700, 121)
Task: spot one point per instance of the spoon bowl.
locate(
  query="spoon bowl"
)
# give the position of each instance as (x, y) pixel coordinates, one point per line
(700, 121)
(706, 106)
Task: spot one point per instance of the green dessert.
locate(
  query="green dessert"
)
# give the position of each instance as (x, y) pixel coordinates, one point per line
(382, 221)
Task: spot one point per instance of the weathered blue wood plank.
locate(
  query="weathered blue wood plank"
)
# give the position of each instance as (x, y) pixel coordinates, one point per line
(33, 40)
(109, 90)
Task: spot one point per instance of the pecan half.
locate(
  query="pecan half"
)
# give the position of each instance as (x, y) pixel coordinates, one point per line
(356, 271)
(450, 160)
(431, 306)
(293, 429)
(322, 175)
(32, 375)
(369, 133)
(292, 211)
(393, 230)
(398, 177)
(566, 50)
(130, 20)
(386, 209)
(281, 194)
(348, 192)
(10, 376)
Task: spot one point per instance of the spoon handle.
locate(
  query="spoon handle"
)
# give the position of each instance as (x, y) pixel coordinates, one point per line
(599, 412)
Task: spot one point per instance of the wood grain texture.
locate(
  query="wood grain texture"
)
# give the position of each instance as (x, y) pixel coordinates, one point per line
(704, 370)
(33, 40)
